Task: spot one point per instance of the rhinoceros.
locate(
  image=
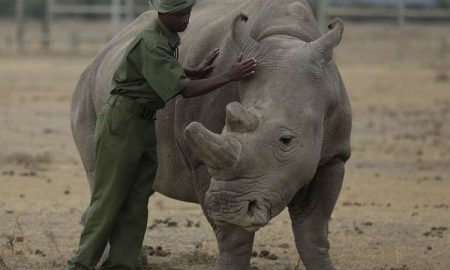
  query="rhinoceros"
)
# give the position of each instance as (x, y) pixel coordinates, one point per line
(247, 151)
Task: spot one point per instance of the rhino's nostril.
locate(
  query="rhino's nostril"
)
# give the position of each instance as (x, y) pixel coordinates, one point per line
(251, 208)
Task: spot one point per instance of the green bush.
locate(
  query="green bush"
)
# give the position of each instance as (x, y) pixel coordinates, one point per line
(442, 3)
(7, 7)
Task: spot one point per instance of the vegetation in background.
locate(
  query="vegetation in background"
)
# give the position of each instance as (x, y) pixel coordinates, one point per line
(442, 3)
(7, 8)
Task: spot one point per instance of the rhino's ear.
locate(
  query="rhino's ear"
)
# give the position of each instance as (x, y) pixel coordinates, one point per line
(247, 44)
(323, 47)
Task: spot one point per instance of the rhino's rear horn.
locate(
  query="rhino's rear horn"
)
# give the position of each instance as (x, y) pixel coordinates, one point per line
(215, 150)
(238, 119)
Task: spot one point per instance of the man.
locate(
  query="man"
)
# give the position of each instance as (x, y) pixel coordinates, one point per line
(147, 78)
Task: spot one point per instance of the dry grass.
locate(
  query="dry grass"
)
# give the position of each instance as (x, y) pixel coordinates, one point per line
(393, 212)
(38, 161)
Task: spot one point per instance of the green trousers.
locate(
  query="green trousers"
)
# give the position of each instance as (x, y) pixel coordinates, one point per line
(124, 172)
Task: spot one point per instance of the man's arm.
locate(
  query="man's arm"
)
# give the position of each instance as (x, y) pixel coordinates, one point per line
(238, 71)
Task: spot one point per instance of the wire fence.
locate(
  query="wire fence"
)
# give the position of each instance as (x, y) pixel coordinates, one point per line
(120, 12)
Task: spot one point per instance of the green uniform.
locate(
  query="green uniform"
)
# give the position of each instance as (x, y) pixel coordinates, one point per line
(148, 76)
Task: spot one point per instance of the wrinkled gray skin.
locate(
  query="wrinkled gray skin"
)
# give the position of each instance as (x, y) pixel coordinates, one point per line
(278, 139)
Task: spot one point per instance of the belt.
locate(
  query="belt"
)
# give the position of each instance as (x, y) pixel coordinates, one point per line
(132, 106)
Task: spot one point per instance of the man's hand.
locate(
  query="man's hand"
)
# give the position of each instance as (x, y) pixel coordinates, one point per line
(207, 65)
(238, 71)
(241, 69)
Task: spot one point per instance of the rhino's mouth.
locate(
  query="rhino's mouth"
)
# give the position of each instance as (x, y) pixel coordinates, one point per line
(226, 208)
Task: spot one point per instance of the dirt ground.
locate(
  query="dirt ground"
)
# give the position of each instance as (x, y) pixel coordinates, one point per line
(392, 214)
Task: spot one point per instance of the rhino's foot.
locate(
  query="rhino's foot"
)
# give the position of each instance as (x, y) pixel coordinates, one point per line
(227, 262)
(323, 263)
(314, 249)
(313, 245)
(301, 266)
(321, 267)
(235, 248)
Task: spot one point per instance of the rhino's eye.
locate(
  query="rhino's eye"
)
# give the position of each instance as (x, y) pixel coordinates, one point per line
(286, 140)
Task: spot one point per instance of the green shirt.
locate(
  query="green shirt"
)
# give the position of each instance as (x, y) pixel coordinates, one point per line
(149, 71)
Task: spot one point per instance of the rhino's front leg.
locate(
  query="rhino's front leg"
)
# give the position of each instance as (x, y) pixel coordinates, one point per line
(310, 213)
(235, 244)
(235, 247)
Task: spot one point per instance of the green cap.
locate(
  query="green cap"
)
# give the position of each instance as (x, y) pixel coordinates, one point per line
(171, 6)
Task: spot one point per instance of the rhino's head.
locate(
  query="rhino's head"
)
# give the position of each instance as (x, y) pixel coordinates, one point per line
(271, 143)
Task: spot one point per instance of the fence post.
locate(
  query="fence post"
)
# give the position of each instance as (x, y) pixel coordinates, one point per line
(130, 10)
(75, 42)
(46, 25)
(322, 9)
(401, 28)
(442, 69)
(20, 24)
(401, 13)
(115, 16)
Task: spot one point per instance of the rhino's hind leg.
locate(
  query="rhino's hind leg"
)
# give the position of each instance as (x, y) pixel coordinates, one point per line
(235, 244)
(83, 128)
(311, 212)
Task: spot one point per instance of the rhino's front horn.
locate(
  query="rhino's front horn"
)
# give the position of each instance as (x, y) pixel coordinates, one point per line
(216, 151)
(324, 46)
(238, 119)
